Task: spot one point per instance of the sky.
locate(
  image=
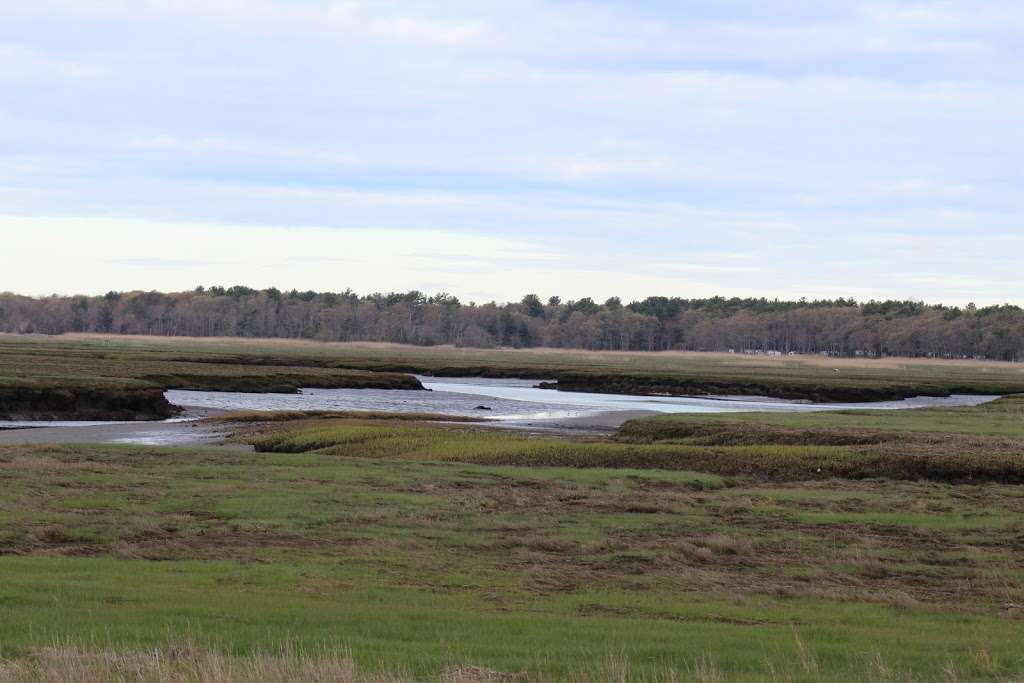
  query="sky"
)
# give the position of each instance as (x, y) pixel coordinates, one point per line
(489, 149)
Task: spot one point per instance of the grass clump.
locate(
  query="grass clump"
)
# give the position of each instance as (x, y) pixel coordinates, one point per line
(982, 443)
(781, 454)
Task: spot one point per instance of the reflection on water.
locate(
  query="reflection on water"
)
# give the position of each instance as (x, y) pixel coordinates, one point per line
(512, 399)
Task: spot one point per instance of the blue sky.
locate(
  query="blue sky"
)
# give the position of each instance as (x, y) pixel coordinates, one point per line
(488, 149)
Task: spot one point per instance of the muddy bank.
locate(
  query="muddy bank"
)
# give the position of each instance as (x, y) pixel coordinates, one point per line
(191, 433)
(286, 383)
(216, 432)
(669, 386)
(30, 403)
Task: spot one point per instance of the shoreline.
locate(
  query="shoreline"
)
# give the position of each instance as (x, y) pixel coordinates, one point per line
(194, 432)
(187, 430)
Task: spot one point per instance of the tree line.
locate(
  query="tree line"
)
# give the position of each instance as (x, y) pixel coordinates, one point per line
(841, 327)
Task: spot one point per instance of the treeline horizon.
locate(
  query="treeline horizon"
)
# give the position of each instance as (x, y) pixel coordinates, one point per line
(840, 327)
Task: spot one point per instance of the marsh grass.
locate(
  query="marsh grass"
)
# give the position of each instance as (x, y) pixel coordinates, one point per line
(44, 362)
(982, 443)
(740, 449)
(1002, 418)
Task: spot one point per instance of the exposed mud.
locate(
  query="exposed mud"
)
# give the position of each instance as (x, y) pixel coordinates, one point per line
(25, 403)
(670, 386)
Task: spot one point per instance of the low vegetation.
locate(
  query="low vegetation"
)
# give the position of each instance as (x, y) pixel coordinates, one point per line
(186, 661)
(852, 545)
(418, 569)
(985, 443)
(1003, 417)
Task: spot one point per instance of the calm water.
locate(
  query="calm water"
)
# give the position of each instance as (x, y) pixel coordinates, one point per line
(512, 399)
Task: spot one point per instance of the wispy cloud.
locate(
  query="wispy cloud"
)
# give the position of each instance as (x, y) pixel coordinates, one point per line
(638, 147)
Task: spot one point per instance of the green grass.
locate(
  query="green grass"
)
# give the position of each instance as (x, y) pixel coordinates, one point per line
(1001, 418)
(62, 362)
(695, 443)
(416, 564)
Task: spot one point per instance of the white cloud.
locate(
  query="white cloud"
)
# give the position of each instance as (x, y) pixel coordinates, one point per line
(625, 134)
(22, 64)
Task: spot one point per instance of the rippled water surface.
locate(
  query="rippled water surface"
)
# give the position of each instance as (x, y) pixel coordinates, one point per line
(513, 399)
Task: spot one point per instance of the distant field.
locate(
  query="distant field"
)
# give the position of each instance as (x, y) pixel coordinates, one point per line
(65, 361)
(810, 377)
(425, 567)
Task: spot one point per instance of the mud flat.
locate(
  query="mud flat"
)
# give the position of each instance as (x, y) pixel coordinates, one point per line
(186, 431)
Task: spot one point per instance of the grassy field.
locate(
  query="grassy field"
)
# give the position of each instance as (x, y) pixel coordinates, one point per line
(853, 545)
(421, 567)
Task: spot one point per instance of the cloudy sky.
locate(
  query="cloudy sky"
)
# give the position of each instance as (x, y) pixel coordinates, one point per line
(737, 147)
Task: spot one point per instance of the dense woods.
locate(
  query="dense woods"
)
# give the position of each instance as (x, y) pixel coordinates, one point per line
(840, 327)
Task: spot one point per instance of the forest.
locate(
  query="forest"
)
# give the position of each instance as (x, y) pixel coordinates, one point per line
(839, 327)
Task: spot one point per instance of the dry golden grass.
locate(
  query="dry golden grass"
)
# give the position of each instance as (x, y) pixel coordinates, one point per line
(186, 662)
(740, 359)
